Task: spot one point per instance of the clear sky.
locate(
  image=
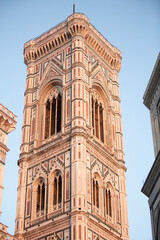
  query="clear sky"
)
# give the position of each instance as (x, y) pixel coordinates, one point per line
(133, 26)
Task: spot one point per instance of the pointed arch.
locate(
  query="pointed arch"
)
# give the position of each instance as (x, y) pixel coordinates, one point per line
(53, 113)
(96, 193)
(57, 187)
(55, 191)
(110, 199)
(100, 108)
(49, 114)
(108, 202)
(39, 196)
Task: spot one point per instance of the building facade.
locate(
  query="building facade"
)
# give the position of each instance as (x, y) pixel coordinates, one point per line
(71, 169)
(152, 184)
(7, 125)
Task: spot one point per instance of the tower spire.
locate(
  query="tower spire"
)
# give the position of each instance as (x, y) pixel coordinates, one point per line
(73, 8)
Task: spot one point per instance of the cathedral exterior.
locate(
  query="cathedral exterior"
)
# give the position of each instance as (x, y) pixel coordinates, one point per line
(8, 122)
(72, 181)
(151, 100)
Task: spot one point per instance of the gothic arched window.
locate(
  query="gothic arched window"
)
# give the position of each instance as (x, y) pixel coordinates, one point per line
(57, 189)
(53, 113)
(40, 201)
(95, 193)
(97, 119)
(108, 203)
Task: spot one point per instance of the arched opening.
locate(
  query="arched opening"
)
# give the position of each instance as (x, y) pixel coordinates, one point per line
(53, 116)
(59, 113)
(40, 199)
(108, 203)
(28, 201)
(95, 193)
(57, 189)
(60, 190)
(97, 119)
(111, 203)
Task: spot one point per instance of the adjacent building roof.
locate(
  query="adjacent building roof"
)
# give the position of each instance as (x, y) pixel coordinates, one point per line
(153, 84)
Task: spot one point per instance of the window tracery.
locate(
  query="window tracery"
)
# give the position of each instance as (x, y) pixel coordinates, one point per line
(53, 113)
(108, 202)
(55, 192)
(111, 203)
(97, 117)
(95, 193)
(105, 201)
(40, 196)
(39, 192)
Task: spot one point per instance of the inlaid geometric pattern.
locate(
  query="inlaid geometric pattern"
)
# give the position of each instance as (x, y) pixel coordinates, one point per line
(72, 169)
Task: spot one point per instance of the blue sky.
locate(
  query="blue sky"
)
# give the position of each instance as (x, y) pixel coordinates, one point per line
(134, 28)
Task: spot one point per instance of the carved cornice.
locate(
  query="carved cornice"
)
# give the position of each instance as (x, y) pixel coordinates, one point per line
(37, 52)
(7, 120)
(153, 86)
(110, 56)
(76, 25)
(47, 228)
(4, 147)
(56, 41)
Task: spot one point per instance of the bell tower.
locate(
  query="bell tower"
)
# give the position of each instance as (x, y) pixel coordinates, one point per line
(71, 168)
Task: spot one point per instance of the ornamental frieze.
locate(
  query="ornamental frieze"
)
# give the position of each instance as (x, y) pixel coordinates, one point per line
(101, 158)
(78, 25)
(48, 155)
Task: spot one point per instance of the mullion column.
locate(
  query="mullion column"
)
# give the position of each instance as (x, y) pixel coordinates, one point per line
(44, 127)
(92, 115)
(98, 122)
(40, 202)
(56, 116)
(96, 202)
(107, 202)
(106, 212)
(50, 120)
(57, 189)
(103, 126)
(94, 193)
(110, 204)
(94, 106)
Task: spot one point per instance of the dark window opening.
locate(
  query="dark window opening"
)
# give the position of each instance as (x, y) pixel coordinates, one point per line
(108, 203)
(57, 190)
(40, 196)
(53, 116)
(97, 120)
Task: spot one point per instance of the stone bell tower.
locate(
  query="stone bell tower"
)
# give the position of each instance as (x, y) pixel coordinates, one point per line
(71, 168)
